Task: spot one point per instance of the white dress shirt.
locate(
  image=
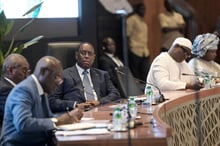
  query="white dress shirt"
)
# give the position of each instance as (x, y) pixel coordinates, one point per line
(115, 59)
(10, 81)
(80, 71)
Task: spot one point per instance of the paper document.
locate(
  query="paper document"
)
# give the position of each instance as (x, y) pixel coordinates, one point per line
(83, 132)
(84, 125)
(76, 126)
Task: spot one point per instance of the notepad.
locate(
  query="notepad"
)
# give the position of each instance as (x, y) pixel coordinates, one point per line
(94, 131)
(76, 126)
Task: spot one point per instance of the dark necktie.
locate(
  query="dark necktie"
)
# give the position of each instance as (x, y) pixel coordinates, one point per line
(44, 105)
(87, 86)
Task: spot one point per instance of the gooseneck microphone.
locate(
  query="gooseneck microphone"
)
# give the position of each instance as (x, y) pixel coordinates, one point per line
(186, 74)
(212, 76)
(161, 98)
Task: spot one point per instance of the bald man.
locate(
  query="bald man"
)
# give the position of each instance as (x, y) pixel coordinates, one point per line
(15, 69)
(27, 118)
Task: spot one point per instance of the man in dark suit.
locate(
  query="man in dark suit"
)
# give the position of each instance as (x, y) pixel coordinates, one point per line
(27, 119)
(109, 61)
(74, 92)
(15, 69)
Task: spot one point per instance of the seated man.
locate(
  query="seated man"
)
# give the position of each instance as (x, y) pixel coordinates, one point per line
(27, 119)
(82, 84)
(168, 69)
(109, 61)
(15, 69)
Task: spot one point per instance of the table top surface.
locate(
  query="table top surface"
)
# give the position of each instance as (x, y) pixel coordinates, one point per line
(147, 132)
(148, 129)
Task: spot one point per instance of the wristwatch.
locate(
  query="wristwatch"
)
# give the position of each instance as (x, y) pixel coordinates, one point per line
(75, 105)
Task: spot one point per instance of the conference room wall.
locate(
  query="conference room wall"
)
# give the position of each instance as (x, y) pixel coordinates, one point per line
(90, 24)
(86, 30)
(206, 13)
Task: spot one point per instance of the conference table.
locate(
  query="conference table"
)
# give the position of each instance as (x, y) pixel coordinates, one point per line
(173, 122)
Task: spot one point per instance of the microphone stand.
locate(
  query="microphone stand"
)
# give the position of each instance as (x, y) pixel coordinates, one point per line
(129, 126)
(185, 74)
(198, 119)
(198, 114)
(161, 99)
(125, 59)
(123, 9)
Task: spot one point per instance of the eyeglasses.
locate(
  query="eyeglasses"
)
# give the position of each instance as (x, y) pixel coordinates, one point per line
(84, 53)
(25, 70)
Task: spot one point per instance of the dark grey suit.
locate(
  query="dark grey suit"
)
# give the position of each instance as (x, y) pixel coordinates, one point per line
(106, 63)
(5, 88)
(71, 89)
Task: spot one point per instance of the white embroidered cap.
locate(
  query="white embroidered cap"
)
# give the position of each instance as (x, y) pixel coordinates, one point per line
(183, 42)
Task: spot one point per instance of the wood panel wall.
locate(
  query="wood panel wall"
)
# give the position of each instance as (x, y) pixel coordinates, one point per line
(207, 12)
(206, 17)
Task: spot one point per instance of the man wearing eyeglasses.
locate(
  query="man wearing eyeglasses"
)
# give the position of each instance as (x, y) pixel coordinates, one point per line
(168, 70)
(28, 120)
(15, 69)
(83, 85)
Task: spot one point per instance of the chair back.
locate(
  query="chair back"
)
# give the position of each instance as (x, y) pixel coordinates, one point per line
(64, 51)
(127, 83)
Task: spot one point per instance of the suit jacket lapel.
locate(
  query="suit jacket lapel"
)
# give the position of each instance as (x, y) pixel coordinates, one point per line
(110, 61)
(95, 81)
(44, 105)
(8, 83)
(78, 79)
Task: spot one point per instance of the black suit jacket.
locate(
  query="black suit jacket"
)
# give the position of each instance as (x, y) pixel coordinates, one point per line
(5, 88)
(106, 63)
(71, 89)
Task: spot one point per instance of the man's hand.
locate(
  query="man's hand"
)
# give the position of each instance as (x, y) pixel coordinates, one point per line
(93, 102)
(70, 117)
(88, 105)
(196, 86)
(84, 105)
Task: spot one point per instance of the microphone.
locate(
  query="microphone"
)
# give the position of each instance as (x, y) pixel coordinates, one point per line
(161, 98)
(212, 76)
(186, 74)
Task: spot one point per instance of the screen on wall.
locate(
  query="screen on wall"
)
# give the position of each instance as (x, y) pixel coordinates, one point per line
(48, 9)
(54, 18)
